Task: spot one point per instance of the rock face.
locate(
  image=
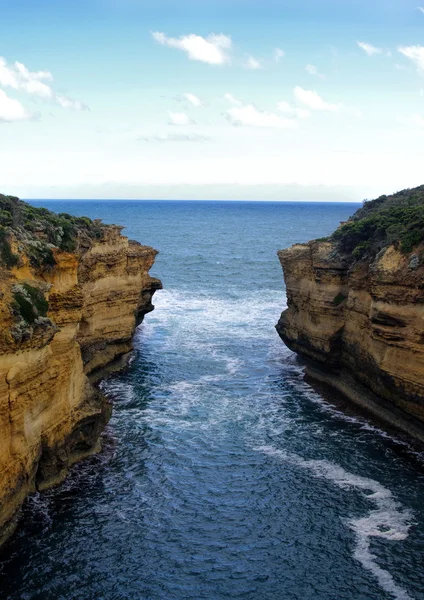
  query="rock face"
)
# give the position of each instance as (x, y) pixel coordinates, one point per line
(360, 324)
(62, 328)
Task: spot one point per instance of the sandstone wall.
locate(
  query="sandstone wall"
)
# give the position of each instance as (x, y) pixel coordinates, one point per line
(51, 415)
(362, 324)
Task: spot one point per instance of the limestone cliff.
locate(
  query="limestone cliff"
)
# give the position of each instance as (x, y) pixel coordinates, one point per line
(356, 308)
(72, 292)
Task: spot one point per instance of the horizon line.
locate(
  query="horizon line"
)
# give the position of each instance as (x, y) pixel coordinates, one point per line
(186, 200)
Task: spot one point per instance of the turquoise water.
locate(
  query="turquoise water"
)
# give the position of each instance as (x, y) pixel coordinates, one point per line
(224, 474)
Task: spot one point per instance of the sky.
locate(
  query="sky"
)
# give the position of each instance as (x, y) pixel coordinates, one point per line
(201, 99)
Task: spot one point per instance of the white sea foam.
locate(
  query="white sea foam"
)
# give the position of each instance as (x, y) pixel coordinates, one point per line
(247, 316)
(203, 326)
(389, 520)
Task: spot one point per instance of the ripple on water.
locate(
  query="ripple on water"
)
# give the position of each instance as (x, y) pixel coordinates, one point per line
(225, 475)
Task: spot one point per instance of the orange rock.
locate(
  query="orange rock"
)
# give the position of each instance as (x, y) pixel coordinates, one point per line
(362, 325)
(51, 415)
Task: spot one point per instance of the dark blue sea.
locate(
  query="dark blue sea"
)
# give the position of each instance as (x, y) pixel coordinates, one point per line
(224, 475)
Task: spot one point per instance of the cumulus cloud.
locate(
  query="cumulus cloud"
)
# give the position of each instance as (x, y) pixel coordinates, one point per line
(215, 49)
(253, 63)
(176, 137)
(11, 109)
(278, 54)
(179, 118)
(249, 116)
(369, 48)
(414, 53)
(19, 77)
(32, 83)
(313, 100)
(293, 111)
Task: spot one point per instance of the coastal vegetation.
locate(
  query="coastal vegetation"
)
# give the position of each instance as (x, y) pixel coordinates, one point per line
(397, 219)
(29, 302)
(37, 231)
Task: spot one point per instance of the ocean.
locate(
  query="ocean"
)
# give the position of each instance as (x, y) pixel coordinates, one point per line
(224, 475)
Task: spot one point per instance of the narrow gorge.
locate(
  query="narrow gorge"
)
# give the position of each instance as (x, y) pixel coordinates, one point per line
(223, 473)
(72, 292)
(356, 308)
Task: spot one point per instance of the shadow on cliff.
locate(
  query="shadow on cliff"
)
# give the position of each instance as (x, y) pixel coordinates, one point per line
(309, 399)
(90, 483)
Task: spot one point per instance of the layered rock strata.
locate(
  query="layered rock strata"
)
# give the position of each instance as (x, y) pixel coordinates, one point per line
(360, 324)
(62, 327)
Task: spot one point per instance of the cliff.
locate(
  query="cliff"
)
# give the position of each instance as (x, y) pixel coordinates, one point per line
(356, 308)
(72, 292)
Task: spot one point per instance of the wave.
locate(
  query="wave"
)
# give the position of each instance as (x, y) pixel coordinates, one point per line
(389, 520)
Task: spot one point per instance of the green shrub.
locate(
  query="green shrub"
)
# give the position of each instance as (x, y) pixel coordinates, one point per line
(6, 254)
(41, 256)
(339, 299)
(38, 229)
(396, 219)
(30, 302)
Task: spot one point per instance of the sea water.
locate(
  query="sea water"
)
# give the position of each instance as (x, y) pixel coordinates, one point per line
(224, 475)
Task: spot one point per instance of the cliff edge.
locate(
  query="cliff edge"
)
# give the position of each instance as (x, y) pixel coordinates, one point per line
(356, 308)
(72, 292)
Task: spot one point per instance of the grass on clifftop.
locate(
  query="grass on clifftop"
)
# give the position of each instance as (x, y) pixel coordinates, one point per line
(397, 219)
(39, 230)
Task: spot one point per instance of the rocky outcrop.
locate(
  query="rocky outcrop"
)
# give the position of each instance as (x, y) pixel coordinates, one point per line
(64, 325)
(360, 324)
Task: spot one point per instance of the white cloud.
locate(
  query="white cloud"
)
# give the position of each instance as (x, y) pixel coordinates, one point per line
(11, 109)
(214, 49)
(18, 77)
(369, 48)
(253, 63)
(313, 70)
(278, 54)
(8, 78)
(414, 53)
(294, 111)
(415, 120)
(314, 101)
(249, 116)
(32, 83)
(232, 99)
(176, 137)
(194, 100)
(179, 119)
(421, 9)
(66, 102)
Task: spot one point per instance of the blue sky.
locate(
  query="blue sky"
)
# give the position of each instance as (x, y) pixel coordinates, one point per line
(306, 99)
